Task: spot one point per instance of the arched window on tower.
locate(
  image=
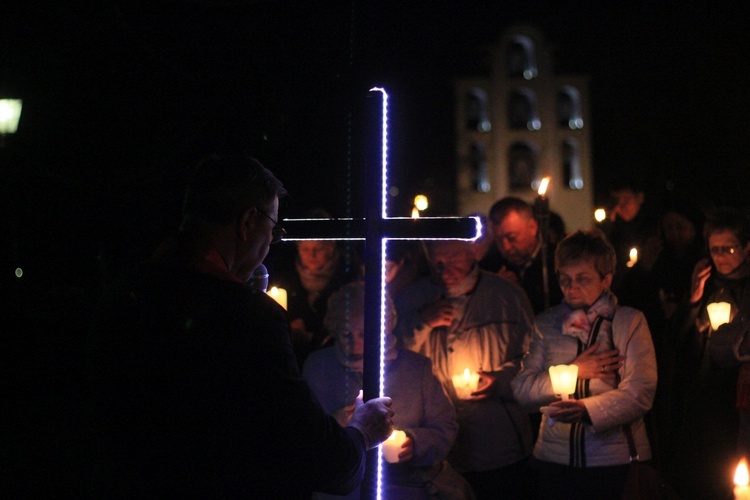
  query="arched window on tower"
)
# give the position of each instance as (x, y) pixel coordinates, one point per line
(477, 117)
(571, 162)
(569, 108)
(480, 176)
(522, 112)
(520, 59)
(522, 166)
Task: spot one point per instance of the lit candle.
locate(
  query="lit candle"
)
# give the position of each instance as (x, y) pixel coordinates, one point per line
(718, 313)
(543, 184)
(741, 489)
(633, 257)
(564, 379)
(465, 383)
(415, 213)
(279, 295)
(392, 446)
(600, 214)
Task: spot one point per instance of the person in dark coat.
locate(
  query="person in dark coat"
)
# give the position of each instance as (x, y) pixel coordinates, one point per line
(517, 252)
(194, 389)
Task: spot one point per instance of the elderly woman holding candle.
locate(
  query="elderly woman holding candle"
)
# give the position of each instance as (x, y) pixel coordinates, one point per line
(582, 450)
(716, 383)
(424, 420)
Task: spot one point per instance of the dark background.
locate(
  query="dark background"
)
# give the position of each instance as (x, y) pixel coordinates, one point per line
(121, 99)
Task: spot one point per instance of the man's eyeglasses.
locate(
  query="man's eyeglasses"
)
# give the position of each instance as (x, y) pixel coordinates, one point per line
(728, 249)
(277, 232)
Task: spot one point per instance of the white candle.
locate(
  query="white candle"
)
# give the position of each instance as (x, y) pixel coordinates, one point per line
(741, 489)
(718, 313)
(392, 446)
(279, 295)
(465, 383)
(564, 379)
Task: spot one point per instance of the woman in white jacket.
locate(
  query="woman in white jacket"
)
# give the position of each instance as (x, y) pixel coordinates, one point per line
(582, 450)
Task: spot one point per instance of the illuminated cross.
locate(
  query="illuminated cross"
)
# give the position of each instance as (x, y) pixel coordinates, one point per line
(376, 230)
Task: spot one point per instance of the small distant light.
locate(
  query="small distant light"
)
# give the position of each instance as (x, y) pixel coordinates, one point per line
(485, 126)
(484, 187)
(670, 186)
(420, 202)
(19, 272)
(600, 214)
(576, 184)
(528, 74)
(394, 191)
(265, 137)
(535, 124)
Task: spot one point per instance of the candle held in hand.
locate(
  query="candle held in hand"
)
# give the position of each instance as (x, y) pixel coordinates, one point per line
(392, 446)
(718, 313)
(465, 383)
(564, 379)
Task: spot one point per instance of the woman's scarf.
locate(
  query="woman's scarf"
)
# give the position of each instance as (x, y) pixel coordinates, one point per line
(355, 364)
(577, 323)
(315, 280)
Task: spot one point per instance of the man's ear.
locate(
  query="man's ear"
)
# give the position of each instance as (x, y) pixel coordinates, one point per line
(244, 223)
(607, 281)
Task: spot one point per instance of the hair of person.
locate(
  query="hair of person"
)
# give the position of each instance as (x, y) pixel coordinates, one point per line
(728, 219)
(504, 206)
(623, 183)
(584, 245)
(348, 301)
(430, 246)
(223, 186)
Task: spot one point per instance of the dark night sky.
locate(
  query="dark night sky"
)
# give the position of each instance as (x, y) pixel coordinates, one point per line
(122, 97)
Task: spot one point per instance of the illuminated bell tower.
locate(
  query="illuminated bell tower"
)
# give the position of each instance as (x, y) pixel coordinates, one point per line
(522, 123)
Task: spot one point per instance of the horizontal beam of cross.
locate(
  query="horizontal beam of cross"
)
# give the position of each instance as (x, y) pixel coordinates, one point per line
(392, 228)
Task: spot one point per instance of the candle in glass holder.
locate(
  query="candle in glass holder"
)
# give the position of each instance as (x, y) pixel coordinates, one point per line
(279, 295)
(718, 313)
(741, 488)
(465, 383)
(392, 446)
(564, 379)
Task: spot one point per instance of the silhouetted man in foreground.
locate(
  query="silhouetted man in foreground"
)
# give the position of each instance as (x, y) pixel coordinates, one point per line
(195, 389)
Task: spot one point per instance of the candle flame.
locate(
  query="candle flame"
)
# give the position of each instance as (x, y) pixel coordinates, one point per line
(421, 202)
(633, 257)
(543, 186)
(415, 213)
(600, 214)
(741, 475)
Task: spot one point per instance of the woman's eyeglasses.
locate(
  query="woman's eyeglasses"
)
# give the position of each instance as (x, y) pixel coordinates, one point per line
(728, 249)
(277, 232)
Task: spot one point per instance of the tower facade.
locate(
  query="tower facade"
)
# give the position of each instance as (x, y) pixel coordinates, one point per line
(520, 124)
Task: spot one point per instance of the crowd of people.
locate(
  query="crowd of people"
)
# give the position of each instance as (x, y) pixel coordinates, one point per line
(201, 383)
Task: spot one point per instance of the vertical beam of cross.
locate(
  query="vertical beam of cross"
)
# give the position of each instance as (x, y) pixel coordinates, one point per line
(376, 230)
